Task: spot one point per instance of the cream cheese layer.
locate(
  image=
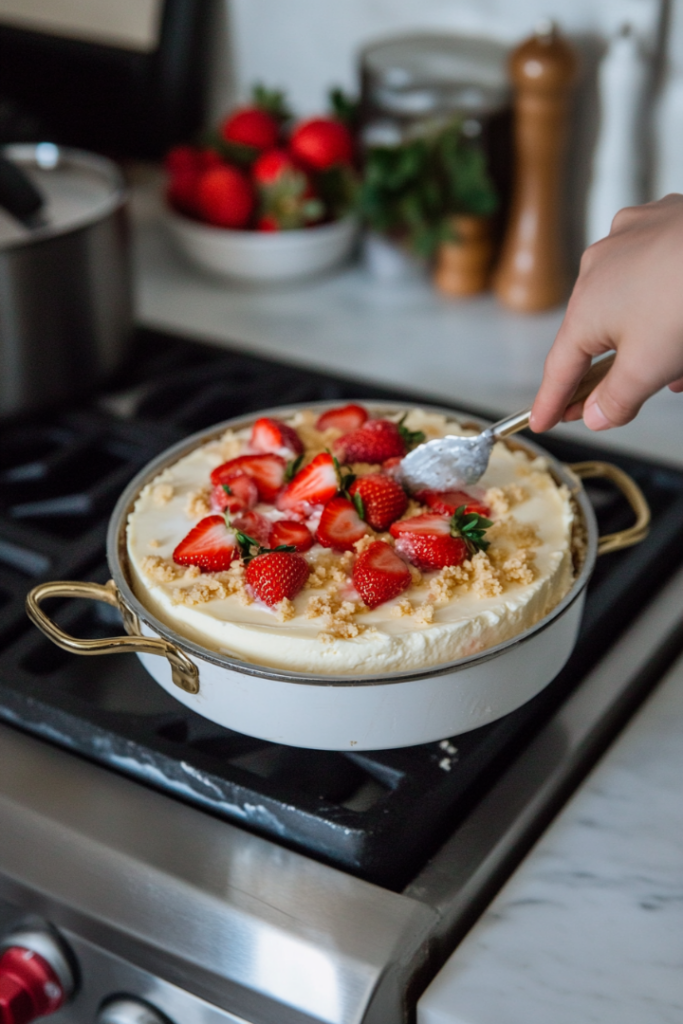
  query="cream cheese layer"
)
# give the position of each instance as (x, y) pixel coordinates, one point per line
(327, 630)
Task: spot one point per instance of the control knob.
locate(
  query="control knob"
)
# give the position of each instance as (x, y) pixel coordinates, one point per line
(129, 1011)
(35, 976)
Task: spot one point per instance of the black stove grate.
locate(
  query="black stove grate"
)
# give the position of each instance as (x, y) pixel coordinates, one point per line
(378, 814)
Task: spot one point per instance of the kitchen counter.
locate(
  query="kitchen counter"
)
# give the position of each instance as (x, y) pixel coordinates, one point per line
(590, 927)
(401, 334)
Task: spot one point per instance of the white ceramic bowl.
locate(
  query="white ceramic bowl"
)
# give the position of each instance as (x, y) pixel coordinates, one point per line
(263, 256)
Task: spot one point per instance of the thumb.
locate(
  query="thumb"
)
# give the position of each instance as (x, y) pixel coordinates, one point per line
(617, 399)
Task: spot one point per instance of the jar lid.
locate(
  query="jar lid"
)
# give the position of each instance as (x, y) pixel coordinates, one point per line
(414, 76)
(78, 189)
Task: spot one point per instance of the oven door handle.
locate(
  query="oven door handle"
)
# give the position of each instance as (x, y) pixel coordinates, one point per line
(634, 496)
(184, 671)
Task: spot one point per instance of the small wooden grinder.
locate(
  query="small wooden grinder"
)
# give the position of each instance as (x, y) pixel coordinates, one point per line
(531, 274)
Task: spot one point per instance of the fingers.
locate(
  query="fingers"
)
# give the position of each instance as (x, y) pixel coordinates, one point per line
(617, 399)
(564, 367)
(676, 385)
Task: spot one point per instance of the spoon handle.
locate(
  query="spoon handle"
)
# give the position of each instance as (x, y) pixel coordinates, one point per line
(593, 375)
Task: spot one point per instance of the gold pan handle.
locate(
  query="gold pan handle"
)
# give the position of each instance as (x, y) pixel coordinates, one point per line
(184, 671)
(633, 494)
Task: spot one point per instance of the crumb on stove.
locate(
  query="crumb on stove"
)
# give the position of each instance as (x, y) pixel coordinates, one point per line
(198, 503)
(161, 570)
(162, 494)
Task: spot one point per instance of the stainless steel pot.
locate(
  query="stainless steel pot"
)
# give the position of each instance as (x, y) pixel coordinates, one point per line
(65, 286)
(335, 712)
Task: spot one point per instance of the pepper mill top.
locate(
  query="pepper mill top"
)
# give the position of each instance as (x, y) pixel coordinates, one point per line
(544, 63)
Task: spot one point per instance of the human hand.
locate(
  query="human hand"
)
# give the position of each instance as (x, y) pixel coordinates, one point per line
(628, 297)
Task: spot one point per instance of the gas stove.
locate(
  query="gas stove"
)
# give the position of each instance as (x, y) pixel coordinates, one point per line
(188, 873)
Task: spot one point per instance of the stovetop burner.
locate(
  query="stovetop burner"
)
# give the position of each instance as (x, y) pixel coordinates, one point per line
(377, 814)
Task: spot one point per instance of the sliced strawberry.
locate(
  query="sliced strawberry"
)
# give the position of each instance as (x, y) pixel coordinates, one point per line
(428, 542)
(380, 574)
(447, 502)
(292, 533)
(345, 418)
(254, 525)
(315, 484)
(239, 494)
(375, 441)
(267, 472)
(340, 525)
(272, 436)
(384, 500)
(210, 545)
(276, 575)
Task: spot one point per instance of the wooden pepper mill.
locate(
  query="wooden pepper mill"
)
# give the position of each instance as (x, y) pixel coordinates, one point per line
(531, 274)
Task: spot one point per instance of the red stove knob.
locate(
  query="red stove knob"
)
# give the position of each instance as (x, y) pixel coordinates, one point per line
(35, 976)
(29, 988)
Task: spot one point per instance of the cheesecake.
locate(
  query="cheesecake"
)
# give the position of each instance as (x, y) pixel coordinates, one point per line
(370, 579)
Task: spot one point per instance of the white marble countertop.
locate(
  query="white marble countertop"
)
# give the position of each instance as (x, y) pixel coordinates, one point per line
(590, 927)
(402, 334)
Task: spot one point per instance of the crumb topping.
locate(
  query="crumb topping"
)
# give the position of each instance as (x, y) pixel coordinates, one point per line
(198, 503)
(285, 610)
(161, 570)
(162, 494)
(338, 617)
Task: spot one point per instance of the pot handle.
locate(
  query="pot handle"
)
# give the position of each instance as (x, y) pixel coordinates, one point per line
(184, 671)
(633, 494)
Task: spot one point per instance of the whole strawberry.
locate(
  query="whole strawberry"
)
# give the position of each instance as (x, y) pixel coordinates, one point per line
(321, 143)
(383, 500)
(225, 197)
(379, 574)
(375, 441)
(251, 126)
(272, 166)
(287, 199)
(276, 575)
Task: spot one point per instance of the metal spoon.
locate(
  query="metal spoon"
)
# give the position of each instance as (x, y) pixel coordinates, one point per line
(448, 463)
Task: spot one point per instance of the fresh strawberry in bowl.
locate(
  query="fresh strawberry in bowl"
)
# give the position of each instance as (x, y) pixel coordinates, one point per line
(246, 207)
(321, 143)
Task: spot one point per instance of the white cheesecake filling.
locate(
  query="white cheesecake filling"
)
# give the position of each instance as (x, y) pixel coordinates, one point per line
(326, 630)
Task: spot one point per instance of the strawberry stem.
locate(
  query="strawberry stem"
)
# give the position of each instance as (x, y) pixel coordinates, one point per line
(470, 527)
(410, 437)
(293, 467)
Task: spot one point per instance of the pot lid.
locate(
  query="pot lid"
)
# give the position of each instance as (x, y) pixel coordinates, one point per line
(78, 189)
